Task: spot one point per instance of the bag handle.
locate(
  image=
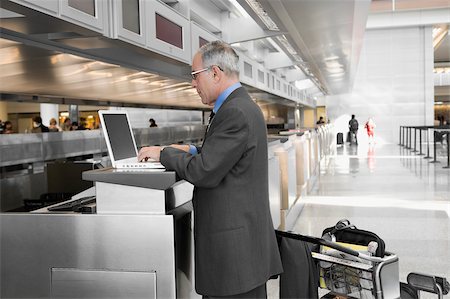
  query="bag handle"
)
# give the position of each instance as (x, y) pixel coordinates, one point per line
(342, 224)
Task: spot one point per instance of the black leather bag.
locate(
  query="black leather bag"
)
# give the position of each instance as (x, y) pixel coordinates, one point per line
(346, 232)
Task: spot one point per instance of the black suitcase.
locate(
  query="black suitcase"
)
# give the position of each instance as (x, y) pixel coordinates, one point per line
(407, 291)
(346, 232)
(340, 138)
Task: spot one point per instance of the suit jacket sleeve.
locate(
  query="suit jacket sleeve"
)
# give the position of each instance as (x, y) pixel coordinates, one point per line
(225, 143)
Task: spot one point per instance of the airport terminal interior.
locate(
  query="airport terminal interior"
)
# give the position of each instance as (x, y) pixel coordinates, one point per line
(74, 223)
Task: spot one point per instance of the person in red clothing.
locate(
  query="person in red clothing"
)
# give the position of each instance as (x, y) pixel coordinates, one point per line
(370, 126)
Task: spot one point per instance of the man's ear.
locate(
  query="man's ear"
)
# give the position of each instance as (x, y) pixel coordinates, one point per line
(216, 73)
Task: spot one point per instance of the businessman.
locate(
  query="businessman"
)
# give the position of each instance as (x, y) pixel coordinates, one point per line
(236, 250)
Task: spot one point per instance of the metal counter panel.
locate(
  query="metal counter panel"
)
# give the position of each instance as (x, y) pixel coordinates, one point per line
(120, 199)
(57, 145)
(38, 147)
(20, 148)
(88, 284)
(33, 244)
(275, 190)
(152, 179)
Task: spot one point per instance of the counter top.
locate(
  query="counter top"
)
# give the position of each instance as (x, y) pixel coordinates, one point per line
(149, 178)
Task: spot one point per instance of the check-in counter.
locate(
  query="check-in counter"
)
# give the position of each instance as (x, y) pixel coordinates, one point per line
(301, 162)
(274, 183)
(30, 152)
(313, 152)
(306, 156)
(299, 155)
(289, 192)
(138, 244)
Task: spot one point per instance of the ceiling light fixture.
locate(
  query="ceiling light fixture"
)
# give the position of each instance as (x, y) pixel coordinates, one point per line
(283, 40)
(441, 70)
(438, 35)
(262, 14)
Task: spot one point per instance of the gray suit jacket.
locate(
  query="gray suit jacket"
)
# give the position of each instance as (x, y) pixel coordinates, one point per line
(235, 245)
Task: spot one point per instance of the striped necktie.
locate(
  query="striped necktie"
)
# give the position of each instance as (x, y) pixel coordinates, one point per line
(211, 116)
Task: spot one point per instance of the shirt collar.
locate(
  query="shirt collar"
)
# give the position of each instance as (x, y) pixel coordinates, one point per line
(224, 95)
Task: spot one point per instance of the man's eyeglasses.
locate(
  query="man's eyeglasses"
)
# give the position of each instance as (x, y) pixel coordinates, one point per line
(195, 73)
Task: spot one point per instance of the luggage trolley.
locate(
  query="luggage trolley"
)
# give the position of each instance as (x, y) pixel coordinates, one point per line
(352, 274)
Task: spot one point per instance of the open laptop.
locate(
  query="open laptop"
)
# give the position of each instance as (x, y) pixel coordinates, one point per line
(120, 141)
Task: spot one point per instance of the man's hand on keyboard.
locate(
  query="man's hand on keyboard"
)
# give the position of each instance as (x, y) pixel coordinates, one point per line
(149, 153)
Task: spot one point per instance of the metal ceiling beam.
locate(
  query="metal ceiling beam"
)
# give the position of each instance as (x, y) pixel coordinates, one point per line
(295, 75)
(243, 30)
(277, 60)
(414, 18)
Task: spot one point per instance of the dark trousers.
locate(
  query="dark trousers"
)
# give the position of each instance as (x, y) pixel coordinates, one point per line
(354, 137)
(256, 293)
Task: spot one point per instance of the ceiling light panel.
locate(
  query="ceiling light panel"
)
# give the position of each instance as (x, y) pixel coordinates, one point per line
(262, 14)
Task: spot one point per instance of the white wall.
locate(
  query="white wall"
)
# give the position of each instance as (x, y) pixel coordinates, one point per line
(393, 84)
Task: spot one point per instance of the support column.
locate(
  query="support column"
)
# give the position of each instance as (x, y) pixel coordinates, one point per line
(73, 113)
(49, 111)
(3, 111)
(291, 119)
(428, 97)
(298, 116)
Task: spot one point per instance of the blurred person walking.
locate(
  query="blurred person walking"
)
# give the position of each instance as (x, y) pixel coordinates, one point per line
(370, 127)
(38, 127)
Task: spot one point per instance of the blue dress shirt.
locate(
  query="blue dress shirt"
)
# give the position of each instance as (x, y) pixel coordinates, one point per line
(220, 100)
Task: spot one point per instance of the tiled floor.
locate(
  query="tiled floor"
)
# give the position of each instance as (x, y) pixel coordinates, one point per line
(392, 192)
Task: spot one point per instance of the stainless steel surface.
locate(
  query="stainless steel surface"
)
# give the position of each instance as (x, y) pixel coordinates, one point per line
(62, 59)
(14, 189)
(274, 190)
(145, 178)
(32, 70)
(122, 199)
(169, 135)
(18, 149)
(57, 145)
(85, 193)
(138, 191)
(33, 244)
(300, 164)
(292, 171)
(81, 283)
(179, 194)
(286, 155)
(388, 274)
(28, 148)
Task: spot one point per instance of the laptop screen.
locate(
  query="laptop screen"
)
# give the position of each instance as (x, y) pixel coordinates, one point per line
(119, 134)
